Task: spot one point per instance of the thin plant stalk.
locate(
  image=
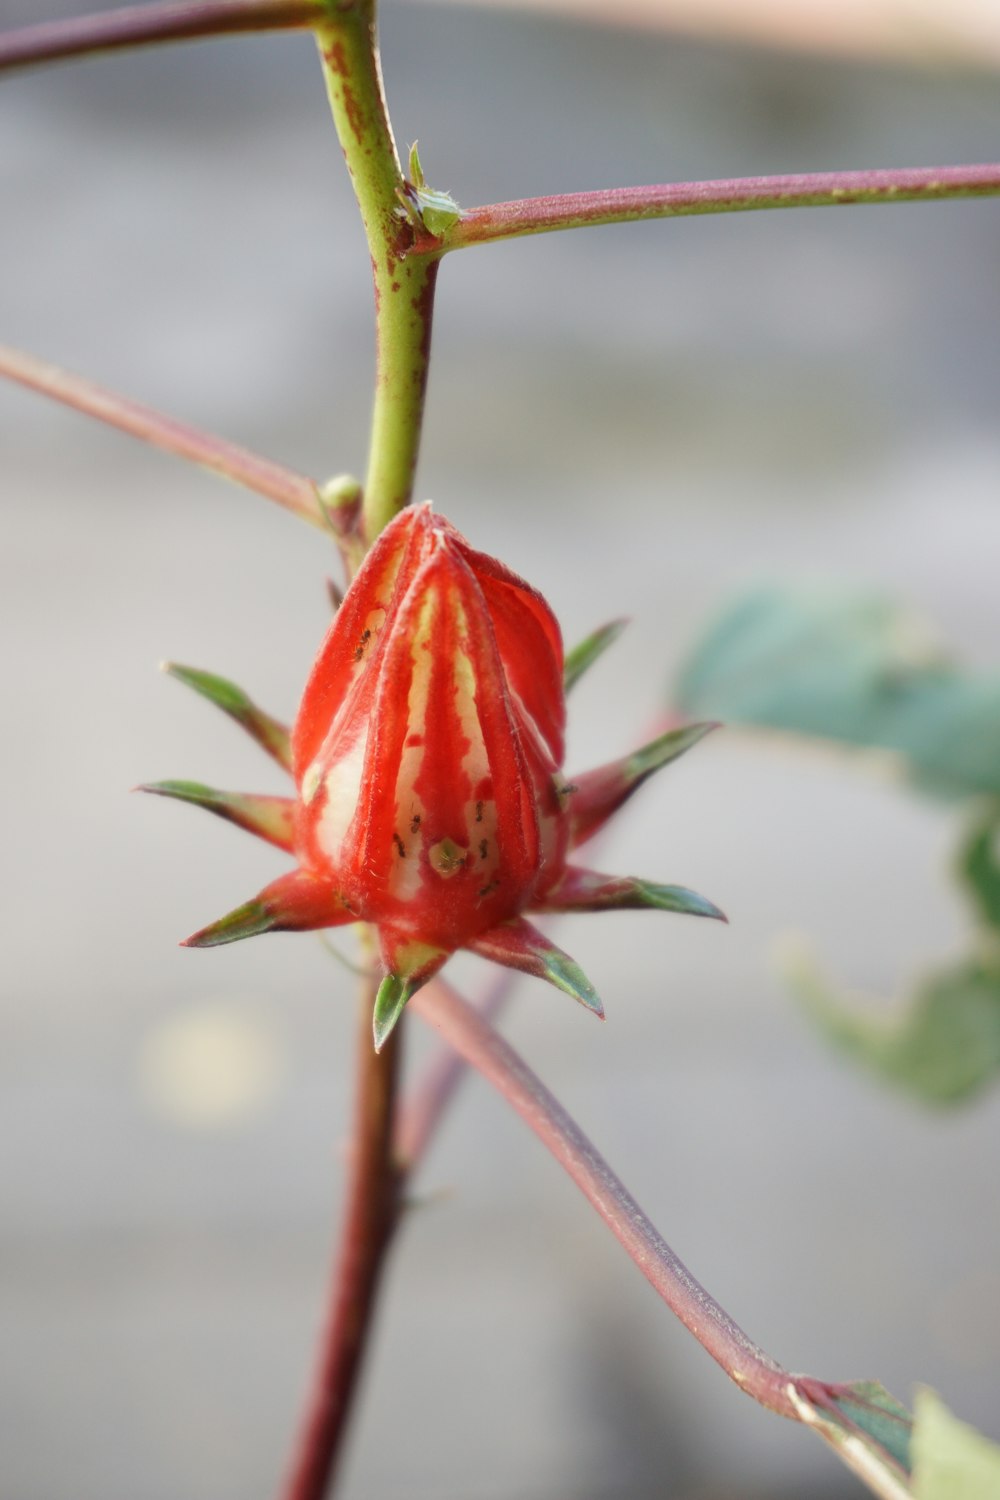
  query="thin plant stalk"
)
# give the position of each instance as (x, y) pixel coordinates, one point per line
(471, 1035)
(422, 1110)
(294, 491)
(403, 273)
(370, 1215)
(851, 1419)
(151, 25)
(525, 216)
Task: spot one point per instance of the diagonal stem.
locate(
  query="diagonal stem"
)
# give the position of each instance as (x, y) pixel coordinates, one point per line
(484, 1049)
(504, 221)
(293, 491)
(421, 1113)
(372, 1213)
(146, 25)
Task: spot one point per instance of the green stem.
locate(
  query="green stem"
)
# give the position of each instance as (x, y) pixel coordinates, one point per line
(404, 258)
(505, 221)
(405, 297)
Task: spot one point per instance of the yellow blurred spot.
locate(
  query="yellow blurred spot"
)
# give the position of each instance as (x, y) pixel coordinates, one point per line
(210, 1066)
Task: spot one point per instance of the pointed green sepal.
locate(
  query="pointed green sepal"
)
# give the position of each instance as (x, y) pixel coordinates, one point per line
(586, 653)
(519, 945)
(393, 993)
(586, 890)
(270, 735)
(599, 793)
(270, 818)
(296, 902)
(248, 920)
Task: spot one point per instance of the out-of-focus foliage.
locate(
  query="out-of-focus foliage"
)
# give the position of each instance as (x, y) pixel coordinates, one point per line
(850, 668)
(861, 672)
(942, 1047)
(951, 1461)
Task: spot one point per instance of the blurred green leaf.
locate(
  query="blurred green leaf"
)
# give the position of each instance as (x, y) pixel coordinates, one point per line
(978, 865)
(852, 669)
(951, 1461)
(860, 671)
(942, 1048)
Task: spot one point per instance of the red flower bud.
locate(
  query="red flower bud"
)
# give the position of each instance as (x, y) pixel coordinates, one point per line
(428, 743)
(427, 756)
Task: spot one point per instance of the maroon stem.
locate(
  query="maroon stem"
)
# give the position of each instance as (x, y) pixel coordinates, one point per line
(143, 25)
(372, 1211)
(476, 1041)
(421, 1114)
(502, 221)
(294, 491)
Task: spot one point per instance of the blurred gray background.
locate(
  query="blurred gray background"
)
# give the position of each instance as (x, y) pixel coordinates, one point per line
(640, 419)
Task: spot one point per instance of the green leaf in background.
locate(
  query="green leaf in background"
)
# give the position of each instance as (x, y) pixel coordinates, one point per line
(951, 1461)
(979, 867)
(853, 669)
(942, 1048)
(859, 671)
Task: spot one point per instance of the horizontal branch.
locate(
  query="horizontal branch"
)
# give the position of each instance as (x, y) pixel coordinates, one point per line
(145, 25)
(504, 221)
(293, 491)
(474, 1039)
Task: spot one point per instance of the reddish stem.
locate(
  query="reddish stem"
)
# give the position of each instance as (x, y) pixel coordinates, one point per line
(421, 1114)
(143, 25)
(372, 1211)
(502, 221)
(294, 491)
(476, 1041)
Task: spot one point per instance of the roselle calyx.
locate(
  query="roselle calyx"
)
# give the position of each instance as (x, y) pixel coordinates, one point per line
(427, 759)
